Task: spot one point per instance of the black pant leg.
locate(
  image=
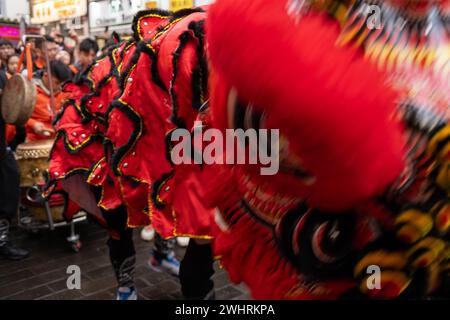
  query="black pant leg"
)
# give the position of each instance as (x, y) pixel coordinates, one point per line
(196, 271)
(161, 247)
(123, 258)
(9, 186)
(121, 247)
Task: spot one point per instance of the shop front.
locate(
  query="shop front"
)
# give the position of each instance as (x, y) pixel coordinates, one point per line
(61, 15)
(106, 16)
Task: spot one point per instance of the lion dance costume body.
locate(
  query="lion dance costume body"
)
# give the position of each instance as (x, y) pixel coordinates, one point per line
(112, 146)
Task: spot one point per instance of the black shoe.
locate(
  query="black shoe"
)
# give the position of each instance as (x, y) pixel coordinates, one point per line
(10, 252)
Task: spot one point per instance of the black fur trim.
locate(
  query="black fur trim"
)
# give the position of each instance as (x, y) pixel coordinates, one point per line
(176, 15)
(184, 38)
(161, 205)
(245, 206)
(116, 73)
(63, 134)
(120, 152)
(154, 67)
(88, 115)
(129, 67)
(200, 73)
(185, 12)
(143, 13)
(169, 147)
(117, 155)
(52, 182)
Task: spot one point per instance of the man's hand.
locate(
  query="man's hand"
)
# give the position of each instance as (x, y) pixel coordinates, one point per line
(73, 35)
(39, 128)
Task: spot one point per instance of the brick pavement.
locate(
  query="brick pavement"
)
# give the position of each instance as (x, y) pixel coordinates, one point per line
(43, 274)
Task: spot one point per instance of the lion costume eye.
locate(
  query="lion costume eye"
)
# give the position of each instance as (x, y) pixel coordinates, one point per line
(242, 115)
(245, 116)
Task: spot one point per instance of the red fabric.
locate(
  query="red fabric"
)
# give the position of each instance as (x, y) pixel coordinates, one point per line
(324, 97)
(79, 145)
(151, 107)
(334, 114)
(138, 123)
(10, 133)
(256, 261)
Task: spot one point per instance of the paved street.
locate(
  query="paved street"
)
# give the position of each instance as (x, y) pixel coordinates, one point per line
(43, 274)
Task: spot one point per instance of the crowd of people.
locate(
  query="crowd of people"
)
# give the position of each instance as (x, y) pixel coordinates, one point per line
(64, 64)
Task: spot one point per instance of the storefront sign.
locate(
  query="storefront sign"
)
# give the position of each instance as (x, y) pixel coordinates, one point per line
(175, 5)
(9, 31)
(44, 11)
(151, 4)
(115, 12)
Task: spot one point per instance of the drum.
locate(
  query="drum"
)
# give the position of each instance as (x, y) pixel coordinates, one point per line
(32, 158)
(33, 200)
(18, 100)
(19, 95)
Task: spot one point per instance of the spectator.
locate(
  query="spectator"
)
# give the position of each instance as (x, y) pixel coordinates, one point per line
(6, 49)
(39, 126)
(15, 135)
(39, 51)
(67, 41)
(3, 79)
(59, 39)
(65, 58)
(88, 49)
(108, 44)
(12, 65)
(111, 42)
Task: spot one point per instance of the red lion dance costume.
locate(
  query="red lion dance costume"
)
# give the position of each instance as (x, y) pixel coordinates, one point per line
(363, 114)
(363, 177)
(113, 107)
(112, 147)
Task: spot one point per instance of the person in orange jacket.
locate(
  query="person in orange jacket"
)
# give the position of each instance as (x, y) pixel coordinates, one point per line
(15, 134)
(39, 126)
(10, 133)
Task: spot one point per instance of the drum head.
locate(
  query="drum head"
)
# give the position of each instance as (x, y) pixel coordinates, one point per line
(18, 100)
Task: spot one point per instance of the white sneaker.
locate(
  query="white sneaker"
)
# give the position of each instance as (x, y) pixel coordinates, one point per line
(169, 264)
(124, 294)
(183, 241)
(148, 233)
